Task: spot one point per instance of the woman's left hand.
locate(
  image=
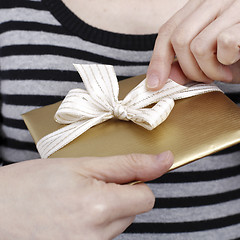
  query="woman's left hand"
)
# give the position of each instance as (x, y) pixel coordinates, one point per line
(205, 37)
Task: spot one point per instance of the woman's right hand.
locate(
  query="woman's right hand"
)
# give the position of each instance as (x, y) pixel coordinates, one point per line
(85, 198)
(204, 35)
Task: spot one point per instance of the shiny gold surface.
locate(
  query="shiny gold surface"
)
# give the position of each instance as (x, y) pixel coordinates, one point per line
(197, 127)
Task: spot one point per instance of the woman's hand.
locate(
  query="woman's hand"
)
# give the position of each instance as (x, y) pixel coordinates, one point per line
(205, 37)
(76, 198)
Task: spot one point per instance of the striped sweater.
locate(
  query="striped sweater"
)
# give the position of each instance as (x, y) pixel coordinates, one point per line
(39, 41)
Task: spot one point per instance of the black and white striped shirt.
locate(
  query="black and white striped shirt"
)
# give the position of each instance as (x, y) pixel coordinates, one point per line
(40, 39)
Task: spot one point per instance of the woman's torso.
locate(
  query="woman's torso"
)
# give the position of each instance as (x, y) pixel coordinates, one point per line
(39, 42)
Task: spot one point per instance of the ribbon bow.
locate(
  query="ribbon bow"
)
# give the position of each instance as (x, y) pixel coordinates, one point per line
(82, 109)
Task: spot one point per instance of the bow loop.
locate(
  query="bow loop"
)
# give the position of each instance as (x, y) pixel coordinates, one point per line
(101, 83)
(83, 109)
(77, 106)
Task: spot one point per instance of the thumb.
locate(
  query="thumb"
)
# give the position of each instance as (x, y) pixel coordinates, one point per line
(128, 168)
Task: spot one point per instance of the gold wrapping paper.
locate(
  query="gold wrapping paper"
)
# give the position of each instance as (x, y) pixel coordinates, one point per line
(197, 126)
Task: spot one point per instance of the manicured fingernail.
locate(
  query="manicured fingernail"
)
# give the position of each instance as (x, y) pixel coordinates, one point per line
(165, 156)
(152, 81)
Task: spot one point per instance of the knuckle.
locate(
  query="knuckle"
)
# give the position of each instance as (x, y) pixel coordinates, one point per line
(157, 60)
(167, 28)
(136, 161)
(198, 47)
(99, 213)
(179, 39)
(226, 40)
(97, 207)
(138, 165)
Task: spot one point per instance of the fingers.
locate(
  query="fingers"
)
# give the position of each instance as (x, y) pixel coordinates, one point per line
(130, 200)
(126, 200)
(228, 42)
(177, 75)
(186, 47)
(105, 174)
(116, 201)
(163, 53)
(204, 46)
(127, 168)
(198, 34)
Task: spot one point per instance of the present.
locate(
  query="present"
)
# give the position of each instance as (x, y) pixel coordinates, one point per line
(191, 128)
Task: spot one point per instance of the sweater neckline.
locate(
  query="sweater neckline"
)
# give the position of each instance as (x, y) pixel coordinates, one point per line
(87, 32)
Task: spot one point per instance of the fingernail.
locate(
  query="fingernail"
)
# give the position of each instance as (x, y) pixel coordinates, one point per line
(152, 81)
(165, 156)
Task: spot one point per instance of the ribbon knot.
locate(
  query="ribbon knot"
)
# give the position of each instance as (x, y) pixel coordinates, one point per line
(82, 109)
(120, 112)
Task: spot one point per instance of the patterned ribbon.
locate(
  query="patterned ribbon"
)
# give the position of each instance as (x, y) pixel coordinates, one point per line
(83, 109)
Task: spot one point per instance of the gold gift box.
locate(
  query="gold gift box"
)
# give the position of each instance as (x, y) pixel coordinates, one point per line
(196, 127)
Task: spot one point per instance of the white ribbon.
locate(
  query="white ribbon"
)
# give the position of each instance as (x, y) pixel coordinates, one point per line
(83, 109)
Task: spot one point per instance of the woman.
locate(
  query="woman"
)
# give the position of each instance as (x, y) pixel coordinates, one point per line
(39, 42)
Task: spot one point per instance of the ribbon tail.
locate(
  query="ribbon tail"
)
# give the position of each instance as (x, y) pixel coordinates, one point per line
(54, 141)
(194, 89)
(140, 97)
